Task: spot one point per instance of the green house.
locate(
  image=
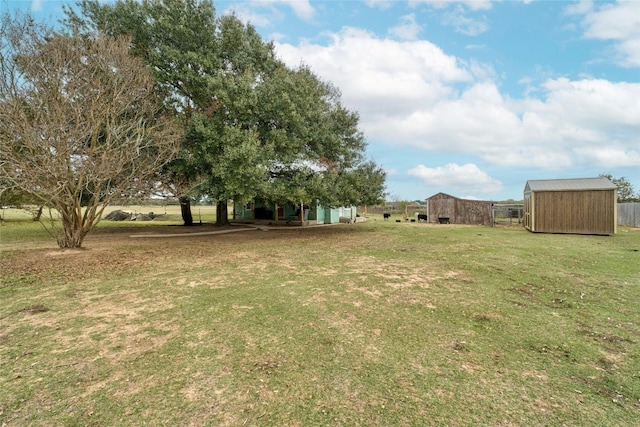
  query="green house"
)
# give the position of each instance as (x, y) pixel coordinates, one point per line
(262, 211)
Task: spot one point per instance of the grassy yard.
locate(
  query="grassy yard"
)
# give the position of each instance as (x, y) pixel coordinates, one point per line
(378, 323)
(166, 213)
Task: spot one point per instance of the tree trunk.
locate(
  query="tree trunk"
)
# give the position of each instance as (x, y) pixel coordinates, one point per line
(71, 239)
(185, 208)
(222, 214)
(73, 228)
(38, 213)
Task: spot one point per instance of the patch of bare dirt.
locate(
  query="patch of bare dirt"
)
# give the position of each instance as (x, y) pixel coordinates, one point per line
(34, 309)
(105, 250)
(111, 250)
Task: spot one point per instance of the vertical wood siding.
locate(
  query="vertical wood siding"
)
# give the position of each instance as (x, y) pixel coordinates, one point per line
(441, 206)
(473, 212)
(459, 211)
(579, 212)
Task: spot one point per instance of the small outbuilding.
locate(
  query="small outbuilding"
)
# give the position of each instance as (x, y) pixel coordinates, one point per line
(262, 211)
(577, 206)
(444, 208)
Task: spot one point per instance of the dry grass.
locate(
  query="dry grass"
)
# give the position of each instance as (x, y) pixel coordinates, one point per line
(368, 324)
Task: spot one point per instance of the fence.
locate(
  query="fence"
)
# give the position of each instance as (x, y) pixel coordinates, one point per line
(508, 214)
(629, 214)
(395, 209)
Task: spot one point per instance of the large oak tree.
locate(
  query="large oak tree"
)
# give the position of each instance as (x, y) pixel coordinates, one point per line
(253, 127)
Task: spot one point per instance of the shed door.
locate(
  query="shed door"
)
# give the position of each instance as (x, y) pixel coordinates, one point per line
(528, 212)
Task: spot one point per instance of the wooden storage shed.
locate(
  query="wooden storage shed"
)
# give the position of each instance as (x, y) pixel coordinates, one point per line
(577, 206)
(445, 208)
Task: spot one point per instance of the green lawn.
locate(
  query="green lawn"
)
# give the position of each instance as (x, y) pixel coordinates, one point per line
(377, 323)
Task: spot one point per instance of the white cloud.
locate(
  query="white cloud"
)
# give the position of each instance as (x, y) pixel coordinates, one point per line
(380, 77)
(610, 156)
(458, 15)
(412, 94)
(579, 8)
(463, 24)
(440, 4)
(264, 13)
(302, 8)
(618, 22)
(36, 5)
(391, 171)
(380, 4)
(248, 14)
(277, 36)
(593, 104)
(408, 29)
(458, 177)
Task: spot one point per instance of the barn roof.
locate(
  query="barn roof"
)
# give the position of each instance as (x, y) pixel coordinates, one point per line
(599, 183)
(444, 194)
(458, 198)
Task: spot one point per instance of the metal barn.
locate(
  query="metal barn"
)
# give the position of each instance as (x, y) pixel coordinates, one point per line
(445, 208)
(577, 206)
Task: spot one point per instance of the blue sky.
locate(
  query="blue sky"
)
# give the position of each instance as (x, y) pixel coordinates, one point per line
(471, 98)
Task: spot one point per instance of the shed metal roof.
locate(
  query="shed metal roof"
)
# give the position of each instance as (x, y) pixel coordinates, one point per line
(599, 183)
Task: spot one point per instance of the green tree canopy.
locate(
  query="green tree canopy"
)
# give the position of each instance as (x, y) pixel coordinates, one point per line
(626, 192)
(254, 127)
